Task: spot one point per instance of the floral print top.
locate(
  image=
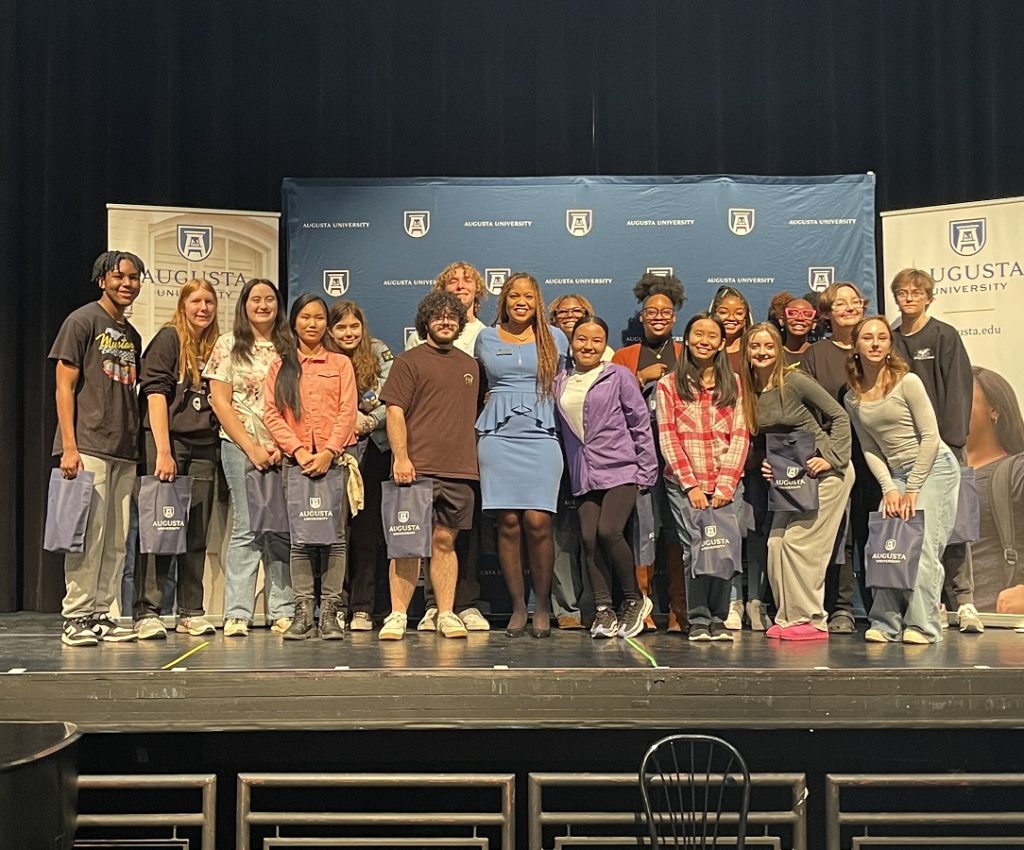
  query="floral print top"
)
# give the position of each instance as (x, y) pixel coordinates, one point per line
(246, 380)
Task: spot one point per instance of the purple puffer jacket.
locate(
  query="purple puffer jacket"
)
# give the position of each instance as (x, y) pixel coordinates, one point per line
(619, 447)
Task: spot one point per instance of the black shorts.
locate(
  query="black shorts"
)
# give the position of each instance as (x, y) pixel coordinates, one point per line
(453, 502)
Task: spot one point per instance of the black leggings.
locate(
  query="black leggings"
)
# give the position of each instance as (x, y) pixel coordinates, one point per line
(603, 517)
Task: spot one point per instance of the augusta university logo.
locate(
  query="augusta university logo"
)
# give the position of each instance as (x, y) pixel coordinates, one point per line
(417, 223)
(403, 517)
(967, 236)
(494, 279)
(195, 242)
(579, 222)
(661, 271)
(890, 544)
(315, 502)
(820, 278)
(711, 531)
(169, 511)
(336, 282)
(741, 221)
(792, 471)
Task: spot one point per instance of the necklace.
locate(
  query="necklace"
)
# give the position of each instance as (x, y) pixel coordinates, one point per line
(657, 354)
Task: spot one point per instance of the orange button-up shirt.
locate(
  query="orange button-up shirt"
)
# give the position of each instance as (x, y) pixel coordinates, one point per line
(327, 388)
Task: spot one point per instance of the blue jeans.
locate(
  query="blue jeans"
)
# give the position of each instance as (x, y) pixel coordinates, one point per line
(245, 550)
(894, 610)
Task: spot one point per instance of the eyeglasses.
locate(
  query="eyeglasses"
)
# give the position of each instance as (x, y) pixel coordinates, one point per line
(575, 312)
(800, 312)
(911, 295)
(848, 305)
(656, 313)
(444, 320)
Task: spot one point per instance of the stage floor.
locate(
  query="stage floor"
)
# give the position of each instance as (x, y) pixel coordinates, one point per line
(493, 681)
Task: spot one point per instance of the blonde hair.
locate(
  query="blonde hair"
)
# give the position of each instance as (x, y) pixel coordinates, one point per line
(748, 378)
(894, 368)
(828, 295)
(477, 278)
(585, 305)
(547, 354)
(193, 350)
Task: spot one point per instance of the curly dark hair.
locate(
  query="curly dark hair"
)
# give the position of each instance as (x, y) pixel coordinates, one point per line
(437, 303)
(658, 284)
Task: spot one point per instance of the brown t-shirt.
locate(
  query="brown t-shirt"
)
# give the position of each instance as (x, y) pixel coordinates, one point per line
(437, 389)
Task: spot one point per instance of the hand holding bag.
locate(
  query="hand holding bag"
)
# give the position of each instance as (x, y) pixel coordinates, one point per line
(893, 551)
(716, 546)
(268, 507)
(407, 513)
(315, 506)
(163, 514)
(967, 527)
(67, 512)
(791, 488)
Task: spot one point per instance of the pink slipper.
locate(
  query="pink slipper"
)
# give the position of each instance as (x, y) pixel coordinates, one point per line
(804, 631)
(773, 631)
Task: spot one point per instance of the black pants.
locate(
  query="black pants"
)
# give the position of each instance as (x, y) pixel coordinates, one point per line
(603, 517)
(366, 533)
(199, 462)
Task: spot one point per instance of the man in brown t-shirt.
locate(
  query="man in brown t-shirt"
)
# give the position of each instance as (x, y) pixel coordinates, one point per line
(431, 398)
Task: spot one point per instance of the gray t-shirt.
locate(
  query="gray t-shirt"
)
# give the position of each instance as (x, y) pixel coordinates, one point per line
(898, 433)
(108, 355)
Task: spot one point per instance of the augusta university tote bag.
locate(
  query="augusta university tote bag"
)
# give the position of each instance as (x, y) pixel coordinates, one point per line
(315, 506)
(407, 513)
(645, 542)
(791, 488)
(67, 512)
(893, 550)
(268, 508)
(716, 546)
(163, 514)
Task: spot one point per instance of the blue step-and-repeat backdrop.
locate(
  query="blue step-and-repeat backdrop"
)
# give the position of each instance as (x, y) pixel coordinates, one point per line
(382, 242)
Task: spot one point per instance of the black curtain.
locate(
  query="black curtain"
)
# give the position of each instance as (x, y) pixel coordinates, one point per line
(211, 104)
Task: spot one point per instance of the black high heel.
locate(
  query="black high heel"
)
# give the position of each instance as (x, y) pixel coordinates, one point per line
(540, 633)
(514, 633)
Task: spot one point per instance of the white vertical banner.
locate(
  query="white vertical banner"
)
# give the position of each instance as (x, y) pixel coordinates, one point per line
(227, 248)
(975, 253)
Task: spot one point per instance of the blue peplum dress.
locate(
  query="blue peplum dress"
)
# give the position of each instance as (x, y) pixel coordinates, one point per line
(517, 442)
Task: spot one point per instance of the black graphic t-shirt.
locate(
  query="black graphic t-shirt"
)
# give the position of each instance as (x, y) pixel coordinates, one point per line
(108, 355)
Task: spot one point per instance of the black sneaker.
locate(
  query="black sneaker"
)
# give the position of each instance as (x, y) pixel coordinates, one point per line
(605, 624)
(78, 633)
(699, 633)
(109, 630)
(718, 631)
(632, 616)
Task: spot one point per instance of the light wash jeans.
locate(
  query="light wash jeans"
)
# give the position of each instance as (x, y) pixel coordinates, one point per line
(895, 610)
(245, 550)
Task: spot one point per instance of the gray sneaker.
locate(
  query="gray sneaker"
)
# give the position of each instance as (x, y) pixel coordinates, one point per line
(969, 619)
(428, 623)
(195, 626)
(150, 628)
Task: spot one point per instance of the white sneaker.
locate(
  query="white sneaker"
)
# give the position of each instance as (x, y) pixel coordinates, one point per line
(474, 621)
(394, 626)
(150, 628)
(195, 626)
(280, 625)
(109, 630)
(428, 623)
(361, 622)
(734, 622)
(970, 620)
(236, 627)
(450, 626)
(943, 617)
(757, 615)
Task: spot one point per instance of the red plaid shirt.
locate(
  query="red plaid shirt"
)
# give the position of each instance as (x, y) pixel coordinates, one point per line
(703, 445)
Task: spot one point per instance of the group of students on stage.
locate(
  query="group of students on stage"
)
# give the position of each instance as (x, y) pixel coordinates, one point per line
(535, 422)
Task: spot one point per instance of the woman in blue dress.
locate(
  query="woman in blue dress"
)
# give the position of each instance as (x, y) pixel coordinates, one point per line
(518, 448)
